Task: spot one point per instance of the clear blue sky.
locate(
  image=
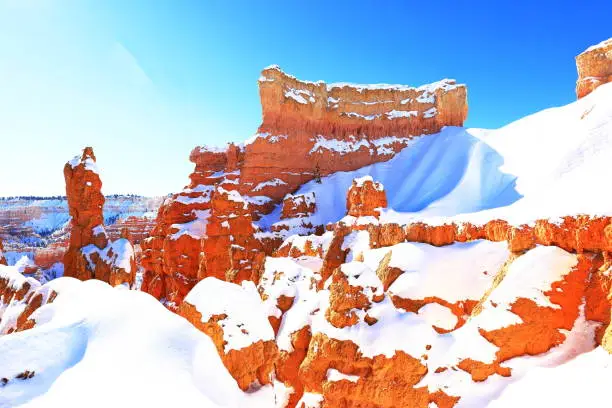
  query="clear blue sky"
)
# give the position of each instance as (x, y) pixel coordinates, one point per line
(145, 81)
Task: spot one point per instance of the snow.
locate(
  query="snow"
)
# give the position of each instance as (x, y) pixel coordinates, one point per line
(300, 95)
(310, 400)
(88, 163)
(339, 146)
(444, 84)
(438, 316)
(579, 340)
(98, 230)
(528, 277)
(204, 194)
(295, 278)
(401, 114)
(395, 330)
(335, 375)
(269, 183)
(317, 242)
(246, 322)
(213, 149)
(581, 382)
(10, 309)
(356, 242)
(195, 229)
(233, 195)
(118, 253)
(96, 346)
(430, 113)
(359, 182)
(455, 273)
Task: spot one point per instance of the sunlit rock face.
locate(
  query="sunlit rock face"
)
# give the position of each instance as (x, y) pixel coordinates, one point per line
(309, 130)
(91, 254)
(594, 68)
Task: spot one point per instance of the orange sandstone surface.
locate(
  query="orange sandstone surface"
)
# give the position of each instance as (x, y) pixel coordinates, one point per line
(594, 68)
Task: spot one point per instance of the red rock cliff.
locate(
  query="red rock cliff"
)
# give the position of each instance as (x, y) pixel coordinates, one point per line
(594, 68)
(309, 130)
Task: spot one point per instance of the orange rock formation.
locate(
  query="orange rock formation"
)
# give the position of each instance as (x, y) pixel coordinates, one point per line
(91, 254)
(309, 130)
(594, 68)
(364, 198)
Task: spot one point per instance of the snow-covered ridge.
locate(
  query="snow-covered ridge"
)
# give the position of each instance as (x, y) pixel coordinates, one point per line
(602, 44)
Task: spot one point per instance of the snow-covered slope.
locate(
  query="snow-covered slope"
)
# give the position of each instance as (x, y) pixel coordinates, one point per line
(97, 346)
(549, 164)
(581, 382)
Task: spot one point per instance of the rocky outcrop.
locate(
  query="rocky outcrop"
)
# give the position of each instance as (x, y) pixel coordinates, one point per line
(233, 318)
(91, 254)
(298, 206)
(594, 68)
(523, 291)
(365, 198)
(579, 233)
(230, 250)
(309, 130)
(18, 300)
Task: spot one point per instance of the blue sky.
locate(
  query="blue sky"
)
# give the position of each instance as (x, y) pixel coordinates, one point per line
(144, 82)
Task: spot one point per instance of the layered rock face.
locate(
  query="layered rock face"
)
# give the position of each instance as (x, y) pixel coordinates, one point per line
(594, 68)
(309, 130)
(90, 253)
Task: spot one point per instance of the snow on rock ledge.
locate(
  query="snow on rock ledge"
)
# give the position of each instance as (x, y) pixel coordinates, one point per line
(235, 319)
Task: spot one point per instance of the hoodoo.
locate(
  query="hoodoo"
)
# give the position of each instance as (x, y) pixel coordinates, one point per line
(91, 254)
